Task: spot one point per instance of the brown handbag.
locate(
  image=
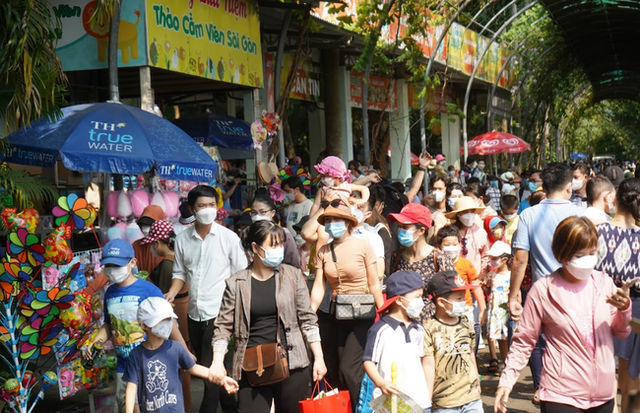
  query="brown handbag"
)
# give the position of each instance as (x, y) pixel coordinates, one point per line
(266, 364)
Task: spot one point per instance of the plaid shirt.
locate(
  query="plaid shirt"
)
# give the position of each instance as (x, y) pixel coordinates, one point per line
(494, 195)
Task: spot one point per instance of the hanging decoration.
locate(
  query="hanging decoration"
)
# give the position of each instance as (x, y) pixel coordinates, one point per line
(72, 211)
(55, 246)
(258, 134)
(295, 170)
(27, 219)
(42, 312)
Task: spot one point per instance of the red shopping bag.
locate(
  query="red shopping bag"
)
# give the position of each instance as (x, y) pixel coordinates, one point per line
(336, 403)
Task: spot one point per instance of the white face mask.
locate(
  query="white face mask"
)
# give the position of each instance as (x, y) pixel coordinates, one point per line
(467, 219)
(327, 181)
(582, 267)
(414, 309)
(510, 216)
(145, 230)
(358, 214)
(163, 328)
(577, 184)
(438, 196)
(457, 308)
(154, 253)
(206, 216)
(452, 251)
(256, 218)
(117, 274)
(290, 197)
(495, 263)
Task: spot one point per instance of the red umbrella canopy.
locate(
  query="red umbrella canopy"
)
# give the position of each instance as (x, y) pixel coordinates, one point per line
(494, 142)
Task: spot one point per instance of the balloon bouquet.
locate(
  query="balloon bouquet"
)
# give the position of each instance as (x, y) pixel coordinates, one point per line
(265, 129)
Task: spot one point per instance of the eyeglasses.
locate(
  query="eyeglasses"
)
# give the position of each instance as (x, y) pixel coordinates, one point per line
(253, 212)
(334, 203)
(464, 249)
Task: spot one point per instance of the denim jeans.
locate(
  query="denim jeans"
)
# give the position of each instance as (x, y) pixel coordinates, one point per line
(471, 407)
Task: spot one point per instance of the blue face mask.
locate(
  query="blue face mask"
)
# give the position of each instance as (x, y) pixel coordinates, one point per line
(452, 202)
(273, 257)
(336, 229)
(405, 237)
(533, 186)
(525, 183)
(494, 184)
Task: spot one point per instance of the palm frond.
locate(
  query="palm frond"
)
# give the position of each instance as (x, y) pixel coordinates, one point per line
(25, 189)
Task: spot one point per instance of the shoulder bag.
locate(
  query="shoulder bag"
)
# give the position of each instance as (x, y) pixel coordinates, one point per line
(266, 364)
(349, 305)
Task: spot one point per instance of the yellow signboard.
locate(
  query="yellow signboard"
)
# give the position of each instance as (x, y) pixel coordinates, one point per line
(214, 39)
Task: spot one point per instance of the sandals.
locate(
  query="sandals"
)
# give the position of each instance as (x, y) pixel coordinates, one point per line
(493, 366)
(535, 400)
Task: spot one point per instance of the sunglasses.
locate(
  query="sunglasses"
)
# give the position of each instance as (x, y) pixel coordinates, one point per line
(334, 204)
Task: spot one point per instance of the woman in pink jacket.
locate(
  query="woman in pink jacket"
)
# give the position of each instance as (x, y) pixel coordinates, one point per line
(579, 310)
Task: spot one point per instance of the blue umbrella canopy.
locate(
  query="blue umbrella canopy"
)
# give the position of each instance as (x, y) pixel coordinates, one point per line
(111, 137)
(578, 156)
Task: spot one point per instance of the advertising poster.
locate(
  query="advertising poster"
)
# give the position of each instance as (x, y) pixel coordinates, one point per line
(470, 48)
(213, 39)
(82, 43)
(483, 65)
(506, 73)
(382, 95)
(456, 52)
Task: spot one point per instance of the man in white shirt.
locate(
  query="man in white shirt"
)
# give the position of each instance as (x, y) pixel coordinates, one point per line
(299, 207)
(206, 254)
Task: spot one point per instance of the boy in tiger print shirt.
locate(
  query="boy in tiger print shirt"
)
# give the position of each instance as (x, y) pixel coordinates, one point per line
(450, 364)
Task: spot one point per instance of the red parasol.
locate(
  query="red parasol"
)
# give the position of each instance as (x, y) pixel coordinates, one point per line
(494, 142)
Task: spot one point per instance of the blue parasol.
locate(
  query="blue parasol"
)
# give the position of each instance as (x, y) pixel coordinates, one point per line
(114, 138)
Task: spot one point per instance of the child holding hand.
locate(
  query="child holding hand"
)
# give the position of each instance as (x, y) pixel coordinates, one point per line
(153, 368)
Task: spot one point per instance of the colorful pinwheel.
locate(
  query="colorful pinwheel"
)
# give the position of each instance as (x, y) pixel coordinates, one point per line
(72, 211)
(25, 247)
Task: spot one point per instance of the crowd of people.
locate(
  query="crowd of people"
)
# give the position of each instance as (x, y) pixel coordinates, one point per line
(381, 290)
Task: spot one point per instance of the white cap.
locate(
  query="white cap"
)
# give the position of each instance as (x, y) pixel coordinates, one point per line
(498, 249)
(153, 310)
(507, 176)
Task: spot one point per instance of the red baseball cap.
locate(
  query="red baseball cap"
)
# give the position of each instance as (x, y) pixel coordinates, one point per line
(413, 214)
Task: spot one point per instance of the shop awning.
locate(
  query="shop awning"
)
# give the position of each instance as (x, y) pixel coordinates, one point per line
(232, 136)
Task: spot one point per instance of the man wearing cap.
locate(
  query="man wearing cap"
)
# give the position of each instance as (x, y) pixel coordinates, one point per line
(398, 338)
(206, 255)
(145, 260)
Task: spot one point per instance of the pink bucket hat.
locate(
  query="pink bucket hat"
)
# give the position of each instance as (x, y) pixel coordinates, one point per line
(334, 167)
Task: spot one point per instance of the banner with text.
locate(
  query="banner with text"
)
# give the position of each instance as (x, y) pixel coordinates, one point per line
(82, 44)
(306, 81)
(214, 39)
(382, 93)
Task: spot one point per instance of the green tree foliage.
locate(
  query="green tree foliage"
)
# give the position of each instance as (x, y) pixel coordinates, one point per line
(33, 83)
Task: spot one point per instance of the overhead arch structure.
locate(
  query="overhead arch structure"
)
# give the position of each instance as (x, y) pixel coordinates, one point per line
(604, 36)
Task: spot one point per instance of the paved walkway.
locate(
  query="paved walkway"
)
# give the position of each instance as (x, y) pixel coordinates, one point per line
(520, 401)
